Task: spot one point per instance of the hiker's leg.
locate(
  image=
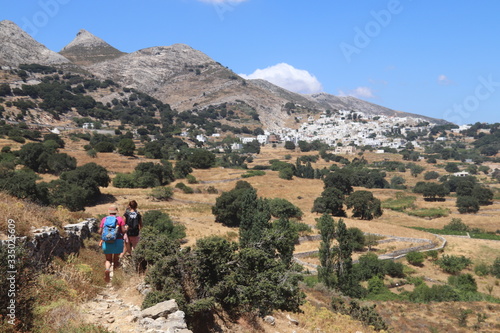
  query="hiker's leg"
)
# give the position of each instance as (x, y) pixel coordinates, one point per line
(116, 260)
(109, 259)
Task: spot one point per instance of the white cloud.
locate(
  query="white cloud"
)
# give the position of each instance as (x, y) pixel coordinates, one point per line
(359, 92)
(288, 77)
(444, 80)
(223, 1)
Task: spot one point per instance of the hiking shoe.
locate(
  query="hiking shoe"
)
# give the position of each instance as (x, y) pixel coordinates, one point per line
(107, 275)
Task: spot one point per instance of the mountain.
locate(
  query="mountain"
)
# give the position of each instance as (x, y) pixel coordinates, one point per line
(17, 47)
(87, 49)
(328, 101)
(178, 75)
(186, 78)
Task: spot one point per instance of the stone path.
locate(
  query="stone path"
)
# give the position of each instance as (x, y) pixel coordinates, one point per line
(109, 310)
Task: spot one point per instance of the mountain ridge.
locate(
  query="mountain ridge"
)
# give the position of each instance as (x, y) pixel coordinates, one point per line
(178, 75)
(18, 47)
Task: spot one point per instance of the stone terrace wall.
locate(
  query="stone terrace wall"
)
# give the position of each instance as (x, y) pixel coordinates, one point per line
(47, 242)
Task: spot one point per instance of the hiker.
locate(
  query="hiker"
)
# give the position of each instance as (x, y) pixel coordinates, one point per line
(112, 229)
(133, 222)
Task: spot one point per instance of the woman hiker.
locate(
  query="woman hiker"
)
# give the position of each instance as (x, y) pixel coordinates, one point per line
(112, 229)
(133, 223)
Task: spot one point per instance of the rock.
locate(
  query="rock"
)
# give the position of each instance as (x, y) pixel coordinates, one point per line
(111, 320)
(292, 321)
(143, 288)
(162, 309)
(270, 320)
(175, 321)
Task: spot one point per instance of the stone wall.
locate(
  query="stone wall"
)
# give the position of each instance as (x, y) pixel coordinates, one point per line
(48, 242)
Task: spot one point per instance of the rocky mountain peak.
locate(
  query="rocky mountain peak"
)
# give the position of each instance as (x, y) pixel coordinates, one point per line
(87, 40)
(88, 49)
(17, 47)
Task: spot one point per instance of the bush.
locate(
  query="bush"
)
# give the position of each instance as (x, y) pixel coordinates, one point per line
(212, 190)
(431, 175)
(162, 193)
(191, 179)
(481, 269)
(415, 258)
(467, 204)
(495, 268)
(456, 225)
(186, 189)
(463, 282)
(365, 314)
(453, 264)
(394, 269)
(284, 208)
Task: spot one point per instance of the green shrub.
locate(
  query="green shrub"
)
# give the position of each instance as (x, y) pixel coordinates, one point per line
(456, 225)
(453, 264)
(415, 258)
(212, 190)
(432, 255)
(463, 282)
(191, 179)
(394, 269)
(162, 193)
(252, 173)
(481, 269)
(495, 268)
(429, 212)
(365, 314)
(186, 189)
(431, 175)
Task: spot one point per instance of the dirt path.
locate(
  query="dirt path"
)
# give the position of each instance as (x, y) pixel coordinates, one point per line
(116, 309)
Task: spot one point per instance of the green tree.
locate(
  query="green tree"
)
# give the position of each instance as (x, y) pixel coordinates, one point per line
(126, 147)
(483, 195)
(326, 270)
(283, 208)
(182, 169)
(289, 145)
(35, 156)
(397, 182)
(331, 202)
(467, 204)
(431, 175)
(201, 158)
(415, 169)
(432, 190)
(340, 179)
(60, 162)
(364, 205)
(451, 167)
(227, 208)
(254, 219)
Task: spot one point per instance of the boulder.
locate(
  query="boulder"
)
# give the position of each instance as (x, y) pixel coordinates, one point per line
(162, 309)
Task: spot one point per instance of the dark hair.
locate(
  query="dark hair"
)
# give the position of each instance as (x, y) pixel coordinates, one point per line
(133, 204)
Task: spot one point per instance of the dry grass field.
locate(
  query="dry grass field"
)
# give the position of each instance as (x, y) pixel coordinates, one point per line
(194, 211)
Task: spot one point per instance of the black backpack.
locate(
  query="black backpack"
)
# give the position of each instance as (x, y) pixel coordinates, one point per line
(133, 223)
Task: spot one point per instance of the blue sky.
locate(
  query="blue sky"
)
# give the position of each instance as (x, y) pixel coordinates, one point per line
(435, 58)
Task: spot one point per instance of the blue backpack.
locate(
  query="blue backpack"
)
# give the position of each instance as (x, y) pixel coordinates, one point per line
(110, 229)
